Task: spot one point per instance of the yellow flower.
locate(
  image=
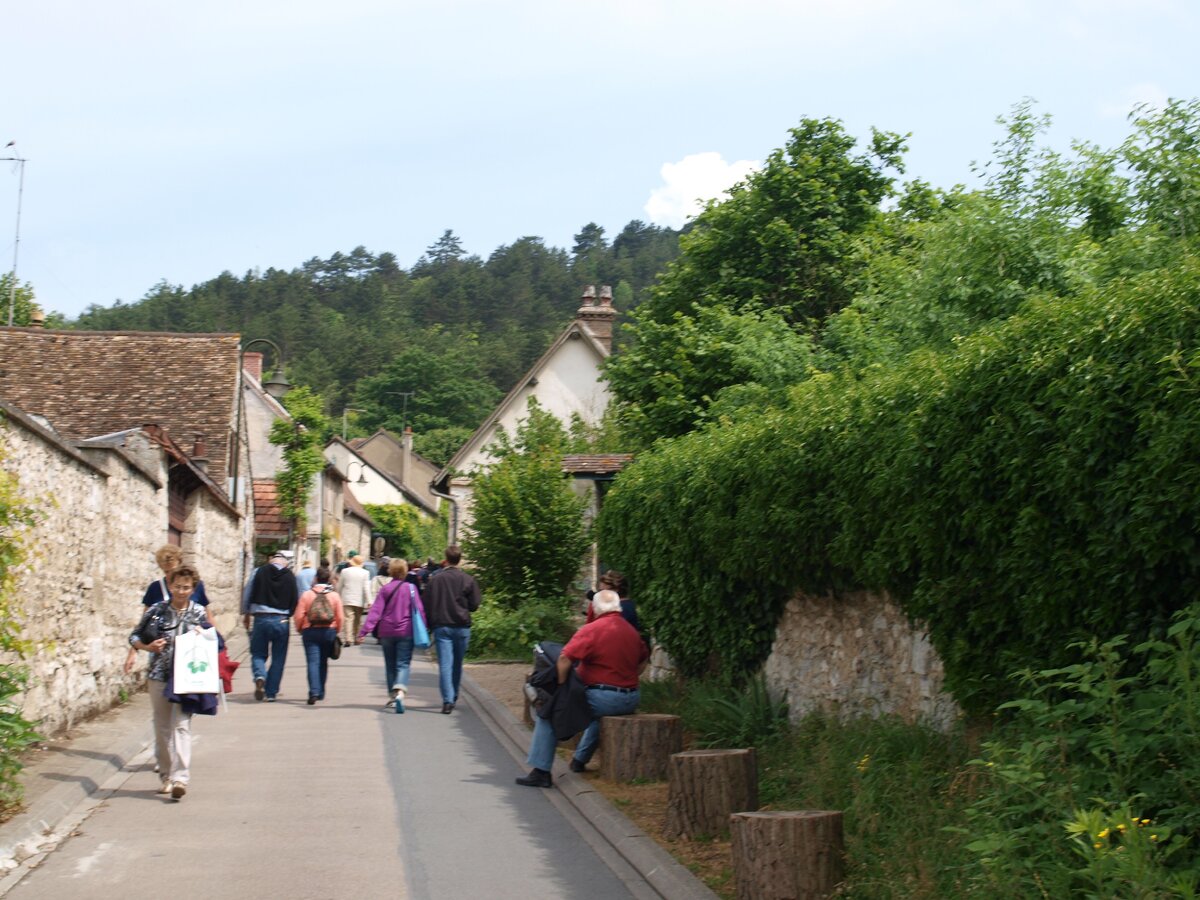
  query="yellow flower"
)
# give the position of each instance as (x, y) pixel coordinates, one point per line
(1097, 845)
(1103, 834)
(1144, 822)
(1121, 827)
(1154, 837)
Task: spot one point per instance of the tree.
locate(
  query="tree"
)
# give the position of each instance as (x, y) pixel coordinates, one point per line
(783, 243)
(23, 303)
(406, 532)
(527, 537)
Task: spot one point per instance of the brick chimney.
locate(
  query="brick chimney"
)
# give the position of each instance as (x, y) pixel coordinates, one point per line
(406, 442)
(252, 364)
(598, 315)
(199, 454)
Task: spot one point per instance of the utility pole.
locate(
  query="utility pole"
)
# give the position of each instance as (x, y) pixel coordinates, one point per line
(12, 288)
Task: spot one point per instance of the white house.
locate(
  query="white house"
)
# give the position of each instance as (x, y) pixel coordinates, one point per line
(565, 381)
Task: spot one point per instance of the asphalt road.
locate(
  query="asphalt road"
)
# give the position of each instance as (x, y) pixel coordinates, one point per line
(340, 799)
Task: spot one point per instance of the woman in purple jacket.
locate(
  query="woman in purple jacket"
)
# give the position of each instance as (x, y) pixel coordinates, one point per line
(392, 611)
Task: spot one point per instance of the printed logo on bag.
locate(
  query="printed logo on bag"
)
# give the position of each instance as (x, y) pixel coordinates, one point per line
(321, 611)
(197, 666)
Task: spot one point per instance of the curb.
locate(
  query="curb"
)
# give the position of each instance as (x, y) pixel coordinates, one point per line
(665, 875)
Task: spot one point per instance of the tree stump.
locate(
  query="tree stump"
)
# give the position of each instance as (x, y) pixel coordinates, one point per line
(786, 855)
(706, 787)
(638, 746)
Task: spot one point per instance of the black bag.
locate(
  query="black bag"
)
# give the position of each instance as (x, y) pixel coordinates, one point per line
(335, 652)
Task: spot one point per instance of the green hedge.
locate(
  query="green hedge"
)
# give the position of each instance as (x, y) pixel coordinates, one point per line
(1037, 480)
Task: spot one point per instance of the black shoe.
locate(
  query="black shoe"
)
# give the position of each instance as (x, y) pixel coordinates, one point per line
(577, 766)
(260, 689)
(311, 699)
(447, 708)
(536, 778)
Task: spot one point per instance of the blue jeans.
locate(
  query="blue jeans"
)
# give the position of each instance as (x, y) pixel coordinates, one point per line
(269, 636)
(603, 703)
(451, 642)
(317, 644)
(397, 656)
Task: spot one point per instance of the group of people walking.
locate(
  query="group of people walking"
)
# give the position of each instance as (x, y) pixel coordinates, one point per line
(605, 657)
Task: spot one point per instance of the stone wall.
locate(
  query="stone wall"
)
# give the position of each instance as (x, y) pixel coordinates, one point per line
(101, 515)
(856, 653)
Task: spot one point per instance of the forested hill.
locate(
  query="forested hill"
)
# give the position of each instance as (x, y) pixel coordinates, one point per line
(454, 331)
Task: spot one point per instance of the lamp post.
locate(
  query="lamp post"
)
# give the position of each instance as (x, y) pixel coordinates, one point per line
(405, 396)
(12, 288)
(362, 471)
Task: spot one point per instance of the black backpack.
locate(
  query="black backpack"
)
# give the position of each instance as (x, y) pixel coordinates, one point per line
(320, 613)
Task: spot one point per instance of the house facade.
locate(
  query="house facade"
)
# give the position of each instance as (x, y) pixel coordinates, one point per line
(565, 381)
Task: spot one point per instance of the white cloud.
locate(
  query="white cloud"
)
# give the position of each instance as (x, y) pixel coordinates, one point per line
(1145, 92)
(692, 182)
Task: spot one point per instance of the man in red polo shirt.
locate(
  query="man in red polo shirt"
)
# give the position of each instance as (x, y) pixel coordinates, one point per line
(609, 655)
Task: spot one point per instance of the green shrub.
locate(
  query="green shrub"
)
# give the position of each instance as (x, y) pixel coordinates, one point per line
(501, 633)
(1093, 789)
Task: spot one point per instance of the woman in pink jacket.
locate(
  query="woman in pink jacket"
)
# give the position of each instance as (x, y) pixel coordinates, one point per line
(392, 611)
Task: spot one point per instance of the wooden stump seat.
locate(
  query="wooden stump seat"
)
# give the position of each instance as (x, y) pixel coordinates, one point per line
(638, 747)
(793, 855)
(706, 786)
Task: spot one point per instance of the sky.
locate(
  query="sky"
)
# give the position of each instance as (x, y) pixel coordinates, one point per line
(172, 142)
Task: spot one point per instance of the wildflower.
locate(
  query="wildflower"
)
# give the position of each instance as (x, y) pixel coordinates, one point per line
(1154, 837)
(1103, 834)
(864, 763)
(1144, 822)
(1121, 828)
(1097, 845)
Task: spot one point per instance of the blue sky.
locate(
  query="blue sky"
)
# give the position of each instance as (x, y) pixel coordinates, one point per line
(170, 141)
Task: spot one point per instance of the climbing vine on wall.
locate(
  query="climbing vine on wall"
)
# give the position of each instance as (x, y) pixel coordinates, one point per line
(301, 440)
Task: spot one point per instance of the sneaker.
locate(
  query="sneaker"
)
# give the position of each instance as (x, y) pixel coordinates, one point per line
(577, 766)
(164, 788)
(536, 778)
(178, 789)
(399, 704)
(447, 708)
(260, 688)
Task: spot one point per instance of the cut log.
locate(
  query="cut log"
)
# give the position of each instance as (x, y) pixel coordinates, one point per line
(706, 786)
(787, 855)
(638, 747)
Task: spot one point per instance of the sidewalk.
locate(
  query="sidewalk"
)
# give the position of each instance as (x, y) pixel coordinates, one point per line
(420, 805)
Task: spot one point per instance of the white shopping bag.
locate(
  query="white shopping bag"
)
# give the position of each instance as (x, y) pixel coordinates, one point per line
(196, 670)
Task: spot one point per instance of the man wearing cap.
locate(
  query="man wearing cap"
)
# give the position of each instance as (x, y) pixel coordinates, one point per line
(270, 599)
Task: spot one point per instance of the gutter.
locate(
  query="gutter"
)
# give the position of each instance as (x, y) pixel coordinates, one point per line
(433, 489)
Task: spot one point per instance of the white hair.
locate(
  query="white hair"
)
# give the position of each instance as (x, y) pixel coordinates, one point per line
(606, 602)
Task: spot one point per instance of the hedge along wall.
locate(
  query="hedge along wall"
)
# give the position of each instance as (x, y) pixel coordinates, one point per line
(1038, 482)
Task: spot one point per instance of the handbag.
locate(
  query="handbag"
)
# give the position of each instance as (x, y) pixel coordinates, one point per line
(420, 632)
(196, 669)
(335, 652)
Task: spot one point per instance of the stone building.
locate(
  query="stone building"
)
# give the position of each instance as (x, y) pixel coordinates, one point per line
(119, 442)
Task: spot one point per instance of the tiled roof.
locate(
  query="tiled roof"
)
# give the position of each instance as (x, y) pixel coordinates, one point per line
(269, 520)
(89, 383)
(595, 463)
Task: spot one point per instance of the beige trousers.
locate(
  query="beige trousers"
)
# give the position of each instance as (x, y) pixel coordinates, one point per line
(352, 619)
(172, 736)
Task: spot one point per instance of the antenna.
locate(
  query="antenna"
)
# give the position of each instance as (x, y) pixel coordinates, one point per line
(12, 288)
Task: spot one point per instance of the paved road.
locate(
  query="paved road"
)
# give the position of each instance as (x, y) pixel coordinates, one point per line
(340, 799)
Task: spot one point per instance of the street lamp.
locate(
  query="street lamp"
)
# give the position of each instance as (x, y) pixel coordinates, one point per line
(277, 386)
(362, 471)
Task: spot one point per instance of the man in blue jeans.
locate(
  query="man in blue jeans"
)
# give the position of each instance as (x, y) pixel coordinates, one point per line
(609, 656)
(450, 598)
(269, 599)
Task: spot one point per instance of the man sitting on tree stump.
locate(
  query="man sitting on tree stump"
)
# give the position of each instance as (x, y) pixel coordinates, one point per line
(609, 655)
